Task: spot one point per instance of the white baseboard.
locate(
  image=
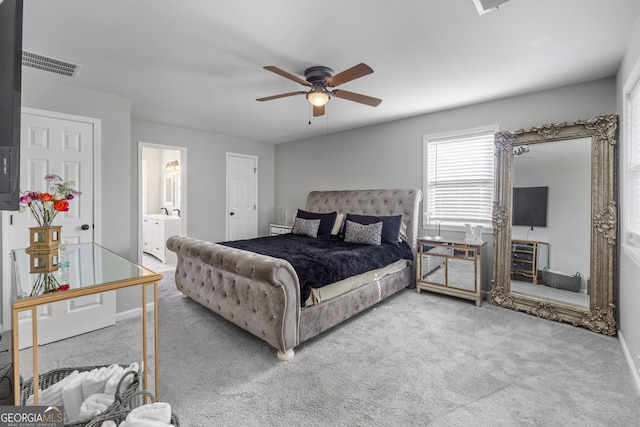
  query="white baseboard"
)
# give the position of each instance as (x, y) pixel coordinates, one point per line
(627, 355)
(134, 313)
(129, 314)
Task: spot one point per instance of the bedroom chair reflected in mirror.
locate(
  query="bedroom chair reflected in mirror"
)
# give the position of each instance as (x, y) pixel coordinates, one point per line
(558, 263)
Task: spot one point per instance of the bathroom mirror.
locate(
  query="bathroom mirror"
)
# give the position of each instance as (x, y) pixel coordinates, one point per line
(168, 189)
(555, 222)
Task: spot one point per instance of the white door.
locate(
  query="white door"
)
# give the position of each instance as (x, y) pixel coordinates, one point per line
(242, 200)
(62, 145)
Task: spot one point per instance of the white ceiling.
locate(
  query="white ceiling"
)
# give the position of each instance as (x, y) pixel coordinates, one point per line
(198, 64)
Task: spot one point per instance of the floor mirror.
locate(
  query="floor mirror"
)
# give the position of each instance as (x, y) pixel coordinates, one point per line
(555, 222)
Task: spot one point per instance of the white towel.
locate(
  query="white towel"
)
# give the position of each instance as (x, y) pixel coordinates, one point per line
(112, 383)
(109, 388)
(95, 405)
(72, 396)
(52, 395)
(96, 380)
(150, 415)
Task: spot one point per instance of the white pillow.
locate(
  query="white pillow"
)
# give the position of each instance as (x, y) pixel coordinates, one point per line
(402, 236)
(337, 226)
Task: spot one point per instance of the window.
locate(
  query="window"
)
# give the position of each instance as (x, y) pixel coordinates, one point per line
(458, 177)
(632, 154)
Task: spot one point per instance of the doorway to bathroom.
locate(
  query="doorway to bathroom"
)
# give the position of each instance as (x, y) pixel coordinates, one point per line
(162, 202)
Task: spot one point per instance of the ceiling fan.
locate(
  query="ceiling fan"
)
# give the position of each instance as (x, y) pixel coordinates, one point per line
(320, 79)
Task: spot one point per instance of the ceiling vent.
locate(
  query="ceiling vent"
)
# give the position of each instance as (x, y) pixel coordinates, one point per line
(46, 63)
(484, 6)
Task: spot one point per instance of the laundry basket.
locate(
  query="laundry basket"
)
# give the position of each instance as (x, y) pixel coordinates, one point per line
(118, 413)
(50, 378)
(560, 280)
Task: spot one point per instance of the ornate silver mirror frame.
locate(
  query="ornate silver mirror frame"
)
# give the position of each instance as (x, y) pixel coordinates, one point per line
(600, 316)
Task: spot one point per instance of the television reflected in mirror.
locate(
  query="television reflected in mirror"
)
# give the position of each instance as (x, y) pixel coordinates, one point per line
(530, 206)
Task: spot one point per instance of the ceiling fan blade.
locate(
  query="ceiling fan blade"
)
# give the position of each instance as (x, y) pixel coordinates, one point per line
(318, 110)
(352, 96)
(289, 76)
(282, 95)
(352, 73)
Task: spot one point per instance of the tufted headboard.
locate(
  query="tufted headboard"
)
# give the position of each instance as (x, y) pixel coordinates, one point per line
(371, 202)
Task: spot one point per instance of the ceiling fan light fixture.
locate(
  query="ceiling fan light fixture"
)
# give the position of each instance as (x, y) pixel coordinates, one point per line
(318, 97)
(319, 79)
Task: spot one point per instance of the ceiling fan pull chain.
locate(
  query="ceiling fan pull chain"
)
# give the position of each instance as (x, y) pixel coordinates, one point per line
(327, 125)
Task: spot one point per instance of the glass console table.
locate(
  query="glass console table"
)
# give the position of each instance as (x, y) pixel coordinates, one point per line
(88, 269)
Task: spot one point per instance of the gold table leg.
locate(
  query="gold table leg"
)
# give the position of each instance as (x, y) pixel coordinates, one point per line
(16, 356)
(145, 365)
(155, 337)
(16, 360)
(155, 331)
(34, 348)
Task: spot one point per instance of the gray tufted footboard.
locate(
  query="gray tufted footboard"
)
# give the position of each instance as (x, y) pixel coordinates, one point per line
(258, 293)
(261, 294)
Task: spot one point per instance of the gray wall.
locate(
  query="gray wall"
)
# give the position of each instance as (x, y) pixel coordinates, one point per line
(390, 155)
(629, 284)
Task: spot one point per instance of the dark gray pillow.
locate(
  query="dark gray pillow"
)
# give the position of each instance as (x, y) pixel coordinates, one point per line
(367, 234)
(390, 225)
(305, 227)
(327, 220)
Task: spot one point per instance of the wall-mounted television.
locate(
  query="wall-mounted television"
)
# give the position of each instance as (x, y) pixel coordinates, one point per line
(530, 206)
(10, 102)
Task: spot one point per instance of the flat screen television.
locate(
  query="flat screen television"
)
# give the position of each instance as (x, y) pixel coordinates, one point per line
(10, 102)
(530, 206)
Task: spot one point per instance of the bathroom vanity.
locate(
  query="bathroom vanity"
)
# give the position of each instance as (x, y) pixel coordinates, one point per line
(156, 229)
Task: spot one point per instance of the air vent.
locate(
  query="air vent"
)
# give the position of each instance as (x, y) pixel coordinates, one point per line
(46, 63)
(484, 6)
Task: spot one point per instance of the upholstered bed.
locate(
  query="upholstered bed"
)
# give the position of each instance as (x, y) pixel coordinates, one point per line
(261, 293)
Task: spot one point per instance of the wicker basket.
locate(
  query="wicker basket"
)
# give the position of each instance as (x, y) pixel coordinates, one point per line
(118, 413)
(562, 281)
(52, 377)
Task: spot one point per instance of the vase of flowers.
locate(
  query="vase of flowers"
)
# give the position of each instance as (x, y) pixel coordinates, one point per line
(45, 206)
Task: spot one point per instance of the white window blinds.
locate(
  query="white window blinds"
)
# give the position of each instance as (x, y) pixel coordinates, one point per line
(459, 177)
(633, 209)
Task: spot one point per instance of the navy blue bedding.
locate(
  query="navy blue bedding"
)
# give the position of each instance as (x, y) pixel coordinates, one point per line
(324, 260)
